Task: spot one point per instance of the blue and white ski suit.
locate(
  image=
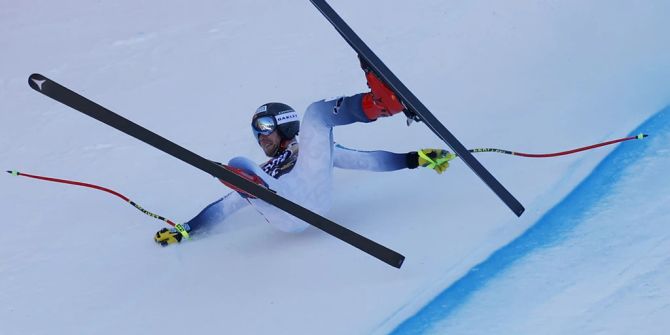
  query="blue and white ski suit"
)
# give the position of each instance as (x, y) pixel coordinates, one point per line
(309, 183)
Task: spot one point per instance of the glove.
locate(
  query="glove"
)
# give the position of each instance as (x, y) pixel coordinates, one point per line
(436, 159)
(167, 236)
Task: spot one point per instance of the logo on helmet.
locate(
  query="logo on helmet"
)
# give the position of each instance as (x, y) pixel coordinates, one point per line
(288, 116)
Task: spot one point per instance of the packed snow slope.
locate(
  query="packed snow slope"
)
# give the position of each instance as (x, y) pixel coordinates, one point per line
(597, 263)
(529, 76)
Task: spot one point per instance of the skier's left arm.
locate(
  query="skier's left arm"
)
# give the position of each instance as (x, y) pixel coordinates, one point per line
(380, 161)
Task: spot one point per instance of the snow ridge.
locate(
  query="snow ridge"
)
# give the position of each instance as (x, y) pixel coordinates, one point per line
(591, 246)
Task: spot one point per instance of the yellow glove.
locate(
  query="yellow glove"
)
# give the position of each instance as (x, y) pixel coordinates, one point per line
(167, 236)
(436, 159)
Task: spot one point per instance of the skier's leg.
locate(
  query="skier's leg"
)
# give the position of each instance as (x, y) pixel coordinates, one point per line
(252, 168)
(336, 112)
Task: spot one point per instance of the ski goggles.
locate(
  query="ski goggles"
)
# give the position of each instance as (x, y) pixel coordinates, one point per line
(264, 125)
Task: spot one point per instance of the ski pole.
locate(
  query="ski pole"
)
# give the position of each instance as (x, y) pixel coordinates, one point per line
(562, 153)
(178, 226)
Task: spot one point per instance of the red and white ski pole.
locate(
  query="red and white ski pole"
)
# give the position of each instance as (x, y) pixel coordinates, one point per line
(561, 153)
(178, 226)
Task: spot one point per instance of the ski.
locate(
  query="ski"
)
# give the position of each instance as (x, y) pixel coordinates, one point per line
(70, 98)
(415, 107)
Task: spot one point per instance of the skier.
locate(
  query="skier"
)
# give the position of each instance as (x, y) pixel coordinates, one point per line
(303, 173)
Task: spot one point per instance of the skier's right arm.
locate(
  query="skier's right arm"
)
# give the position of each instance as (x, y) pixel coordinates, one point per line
(217, 212)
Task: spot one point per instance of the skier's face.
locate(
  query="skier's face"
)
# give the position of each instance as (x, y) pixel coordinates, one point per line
(269, 143)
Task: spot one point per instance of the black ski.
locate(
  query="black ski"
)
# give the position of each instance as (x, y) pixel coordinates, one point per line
(64, 95)
(415, 106)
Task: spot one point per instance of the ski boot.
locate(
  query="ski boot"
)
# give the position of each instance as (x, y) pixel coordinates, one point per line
(381, 101)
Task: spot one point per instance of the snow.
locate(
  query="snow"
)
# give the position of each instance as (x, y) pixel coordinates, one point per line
(599, 256)
(532, 76)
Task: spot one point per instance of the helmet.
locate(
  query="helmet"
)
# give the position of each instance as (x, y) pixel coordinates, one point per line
(275, 116)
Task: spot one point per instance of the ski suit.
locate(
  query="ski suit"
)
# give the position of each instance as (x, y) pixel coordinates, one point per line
(309, 183)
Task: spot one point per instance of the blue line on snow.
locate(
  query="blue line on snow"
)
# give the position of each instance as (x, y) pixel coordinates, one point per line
(551, 229)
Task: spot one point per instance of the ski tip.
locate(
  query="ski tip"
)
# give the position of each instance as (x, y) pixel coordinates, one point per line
(37, 76)
(36, 80)
(519, 211)
(641, 136)
(13, 173)
(399, 262)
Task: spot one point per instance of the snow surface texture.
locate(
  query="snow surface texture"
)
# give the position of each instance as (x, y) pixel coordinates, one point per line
(531, 76)
(600, 257)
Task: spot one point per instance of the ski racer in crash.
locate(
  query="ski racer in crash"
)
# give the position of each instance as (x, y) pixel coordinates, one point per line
(302, 172)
